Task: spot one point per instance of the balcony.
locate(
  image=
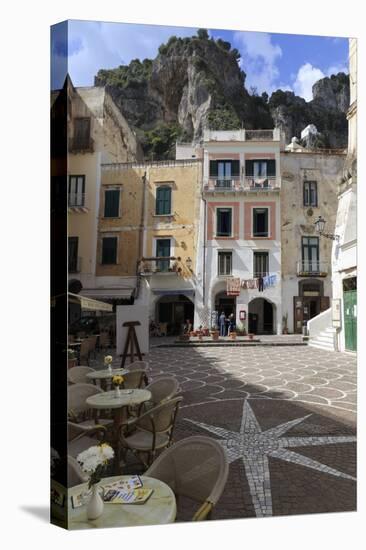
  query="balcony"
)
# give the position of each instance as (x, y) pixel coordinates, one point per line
(160, 264)
(312, 268)
(77, 145)
(75, 264)
(76, 202)
(224, 184)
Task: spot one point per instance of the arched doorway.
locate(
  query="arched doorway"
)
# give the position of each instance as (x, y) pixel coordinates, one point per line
(261, 314)
(225, 303)
(174, 309)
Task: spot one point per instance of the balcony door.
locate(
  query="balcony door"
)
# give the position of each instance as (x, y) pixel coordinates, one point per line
(310, 254)
(162, 251)
(76, 190)
(224, 173)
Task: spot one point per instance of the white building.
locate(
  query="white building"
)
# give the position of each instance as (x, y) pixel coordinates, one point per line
(344, 265)
(239, 241)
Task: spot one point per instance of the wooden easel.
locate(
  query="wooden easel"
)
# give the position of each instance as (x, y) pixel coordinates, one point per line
(132, 346)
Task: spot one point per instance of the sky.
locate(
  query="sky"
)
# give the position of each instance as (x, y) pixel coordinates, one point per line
(270, 61)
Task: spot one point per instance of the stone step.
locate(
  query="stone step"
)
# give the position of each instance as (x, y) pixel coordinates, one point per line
(319, 345)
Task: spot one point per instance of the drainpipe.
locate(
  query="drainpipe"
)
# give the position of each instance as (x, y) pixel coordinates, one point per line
(141, 237)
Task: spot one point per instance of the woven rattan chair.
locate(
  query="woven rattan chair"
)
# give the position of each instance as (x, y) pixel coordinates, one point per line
(82, 437)
(137, 365)
(197, 468)
(78, 410)
(75, 474)
(153, 431)
(162, 389)
(77, 375)
(134, 379)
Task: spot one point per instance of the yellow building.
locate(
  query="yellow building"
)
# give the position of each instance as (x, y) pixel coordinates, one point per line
(97, 133)
(147, 237)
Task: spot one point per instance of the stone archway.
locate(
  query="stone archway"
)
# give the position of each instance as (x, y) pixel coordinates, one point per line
(261, 316)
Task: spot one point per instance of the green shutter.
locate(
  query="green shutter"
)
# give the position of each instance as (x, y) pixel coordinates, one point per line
(249, 167)
(111, 203)
(235, 168)
(213, 169)
(163, 200)
(271, 168)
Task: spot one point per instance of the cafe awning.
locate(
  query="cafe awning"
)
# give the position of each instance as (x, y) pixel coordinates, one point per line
(89, 304)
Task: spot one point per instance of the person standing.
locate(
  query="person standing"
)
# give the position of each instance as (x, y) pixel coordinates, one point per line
(222, 321)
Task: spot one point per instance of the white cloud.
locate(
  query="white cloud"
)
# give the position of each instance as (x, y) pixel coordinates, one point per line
(259, 56)
(108, 45)
(307, 76)
(335, 69)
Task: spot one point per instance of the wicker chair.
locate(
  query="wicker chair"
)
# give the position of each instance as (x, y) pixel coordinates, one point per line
(134, 379)
(76, 375)
(82, 437)
(153, 431)
(78, 411)
(75, 474)
(162, 389)
(197, 468)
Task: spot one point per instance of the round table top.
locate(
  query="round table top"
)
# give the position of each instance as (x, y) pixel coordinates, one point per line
(160, 508)
(105, 373)
(108, 399)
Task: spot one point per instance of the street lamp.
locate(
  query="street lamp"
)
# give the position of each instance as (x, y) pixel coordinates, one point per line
(319, 228)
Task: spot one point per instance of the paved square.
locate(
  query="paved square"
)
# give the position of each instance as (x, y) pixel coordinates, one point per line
(286, 417)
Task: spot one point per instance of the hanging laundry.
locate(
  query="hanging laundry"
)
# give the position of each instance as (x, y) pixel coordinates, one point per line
(260, 284)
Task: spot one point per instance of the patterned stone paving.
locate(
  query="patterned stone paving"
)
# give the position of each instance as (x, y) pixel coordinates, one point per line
(286, 417)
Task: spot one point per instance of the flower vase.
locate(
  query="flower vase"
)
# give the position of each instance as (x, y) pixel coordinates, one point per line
(117, 392)
(109, 368)
(95, 505)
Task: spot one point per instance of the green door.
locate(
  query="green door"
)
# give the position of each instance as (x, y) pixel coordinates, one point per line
(350, 319)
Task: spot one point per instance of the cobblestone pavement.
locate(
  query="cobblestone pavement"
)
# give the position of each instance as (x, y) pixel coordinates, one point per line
(286, 417)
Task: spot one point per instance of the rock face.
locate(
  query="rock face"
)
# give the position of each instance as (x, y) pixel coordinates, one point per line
(196, 82)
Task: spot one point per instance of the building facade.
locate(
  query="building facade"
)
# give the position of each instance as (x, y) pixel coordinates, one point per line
(344, 257)
(238, 268)
(97, 133)
(147, 245)
(309, 190)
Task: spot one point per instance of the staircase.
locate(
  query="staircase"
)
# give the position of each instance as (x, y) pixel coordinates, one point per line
(324, 340)
(321, 333)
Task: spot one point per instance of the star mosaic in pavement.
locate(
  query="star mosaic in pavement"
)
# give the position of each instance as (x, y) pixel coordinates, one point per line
(254, 446)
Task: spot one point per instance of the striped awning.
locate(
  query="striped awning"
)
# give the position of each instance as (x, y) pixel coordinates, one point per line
(89, 304)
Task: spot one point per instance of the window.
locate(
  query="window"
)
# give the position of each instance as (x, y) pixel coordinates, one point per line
(310, 193)
(73, 254)
(223, 222)
(109, 250)
(223, 171)
(310, 254)
(76, 190)
(260, 222)
(260, 168)
(224, 263)
(163, 201)
(260, 267)
(162, 251)
(111, 203)
(82, 133)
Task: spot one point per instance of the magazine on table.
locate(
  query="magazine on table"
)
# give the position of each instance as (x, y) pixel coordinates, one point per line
(137, 496)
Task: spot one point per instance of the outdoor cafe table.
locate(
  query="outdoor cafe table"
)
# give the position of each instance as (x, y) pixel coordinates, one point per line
(108, 400)
(160, 508)
(105, 375)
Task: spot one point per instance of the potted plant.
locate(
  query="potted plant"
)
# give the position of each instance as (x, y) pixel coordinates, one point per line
(241, 330)
(284, 320)
(232, 335)
(250, 336)
(215, 333)
(71, 358)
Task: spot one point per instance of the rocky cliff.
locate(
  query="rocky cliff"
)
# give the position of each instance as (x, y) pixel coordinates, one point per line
(196, 82)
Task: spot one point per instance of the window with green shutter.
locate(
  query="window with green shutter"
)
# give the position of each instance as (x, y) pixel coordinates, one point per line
(111, 203)
(163, 201)
(109, 250)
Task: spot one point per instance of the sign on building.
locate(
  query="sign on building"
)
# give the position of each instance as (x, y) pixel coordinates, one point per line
(336, 312)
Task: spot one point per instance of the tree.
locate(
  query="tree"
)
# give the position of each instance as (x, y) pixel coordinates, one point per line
(202, 34)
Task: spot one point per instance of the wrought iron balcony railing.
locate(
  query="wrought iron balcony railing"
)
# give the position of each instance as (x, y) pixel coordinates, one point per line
(241, 183)
(311, 268)
(160, 264)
